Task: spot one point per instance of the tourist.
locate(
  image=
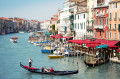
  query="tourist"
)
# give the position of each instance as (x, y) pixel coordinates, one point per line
(45, 69)
(42, 69)
(30, 62)
(51, 70)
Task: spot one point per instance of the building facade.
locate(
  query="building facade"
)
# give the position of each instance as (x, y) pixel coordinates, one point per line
(64, 26)
(101, 19)
(114, 20)
(89, 24)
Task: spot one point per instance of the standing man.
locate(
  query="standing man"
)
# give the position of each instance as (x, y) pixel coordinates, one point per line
(30, 62)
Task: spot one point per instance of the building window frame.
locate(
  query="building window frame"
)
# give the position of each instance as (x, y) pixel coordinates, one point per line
(114, 35)
(110, 34)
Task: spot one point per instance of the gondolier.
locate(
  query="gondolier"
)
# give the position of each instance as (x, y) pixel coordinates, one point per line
(30, 62)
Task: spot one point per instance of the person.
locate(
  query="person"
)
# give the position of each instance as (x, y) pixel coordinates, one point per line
(51, 70)
(45, 69)
(42, 69)
(30, 62)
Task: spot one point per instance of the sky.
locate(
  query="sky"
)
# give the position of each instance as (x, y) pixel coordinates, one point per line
(30, 9)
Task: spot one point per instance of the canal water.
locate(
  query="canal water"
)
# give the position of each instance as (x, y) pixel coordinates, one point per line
(12, 54)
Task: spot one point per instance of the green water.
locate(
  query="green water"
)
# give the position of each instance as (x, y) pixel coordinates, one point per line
(12, 54)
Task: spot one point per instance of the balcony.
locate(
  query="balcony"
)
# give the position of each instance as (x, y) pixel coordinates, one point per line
(100, 4)
(110, 19)
(100, 15)
(99, 27)
(115, 19)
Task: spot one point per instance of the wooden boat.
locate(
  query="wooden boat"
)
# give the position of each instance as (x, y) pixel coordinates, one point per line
(15, 41)
(96, 62)
(56, 56)
(47, 49)
(37, 70)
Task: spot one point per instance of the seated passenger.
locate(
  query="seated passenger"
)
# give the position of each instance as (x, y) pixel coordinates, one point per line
(42, 69)
(51, 70)
(45, 70)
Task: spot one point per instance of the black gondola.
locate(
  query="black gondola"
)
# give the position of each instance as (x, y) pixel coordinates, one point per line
(37, 70)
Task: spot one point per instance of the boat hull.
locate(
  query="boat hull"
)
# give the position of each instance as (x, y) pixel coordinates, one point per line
(47, 51)
(55, 56)
(96, 64)
(36, 70)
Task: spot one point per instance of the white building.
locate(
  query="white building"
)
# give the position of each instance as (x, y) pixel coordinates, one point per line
(80, 19)
(64, 26)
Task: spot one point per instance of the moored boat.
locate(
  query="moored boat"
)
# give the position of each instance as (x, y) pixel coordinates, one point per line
(37, 70)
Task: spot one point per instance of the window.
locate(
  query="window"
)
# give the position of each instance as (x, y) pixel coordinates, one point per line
(94, 21)
(110, 26)
(75, 17)
(97, 34)
(100, 33)
(78, 16)
(50, 22)
(78, 25)
(81, 25)
(97, 21)
(119, 35)
(114, 35)
(103, 34)
(107, 34)
(107, 21)
(84, 25)
(100, 21)
(84, 16)
(103, 21)
(115, 27)
(110, 34)
(110, 16)
(116, 5)
(115, 15)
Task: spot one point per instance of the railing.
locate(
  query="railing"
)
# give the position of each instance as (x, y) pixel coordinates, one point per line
(110, 19)
(99, 27)
(101, 15)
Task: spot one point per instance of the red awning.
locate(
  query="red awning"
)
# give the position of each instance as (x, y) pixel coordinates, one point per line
(67, 37)
(118, 50)
(58, 36)
(92, 45)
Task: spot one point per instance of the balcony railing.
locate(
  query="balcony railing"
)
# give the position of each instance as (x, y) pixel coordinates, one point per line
(99, 27)
(110, 19)
(100, 15)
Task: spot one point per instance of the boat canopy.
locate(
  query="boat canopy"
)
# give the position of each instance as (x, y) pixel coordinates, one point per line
(102, 46)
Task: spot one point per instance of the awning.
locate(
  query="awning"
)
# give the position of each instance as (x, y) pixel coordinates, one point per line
(67, 37)
(47, 33)
(118, 50)
(102, 46)
(92, 45)
(64, 27)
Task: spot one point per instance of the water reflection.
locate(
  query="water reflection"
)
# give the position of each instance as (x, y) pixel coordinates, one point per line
(30, 75)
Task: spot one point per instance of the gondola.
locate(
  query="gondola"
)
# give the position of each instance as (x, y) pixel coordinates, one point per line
(37, 70)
